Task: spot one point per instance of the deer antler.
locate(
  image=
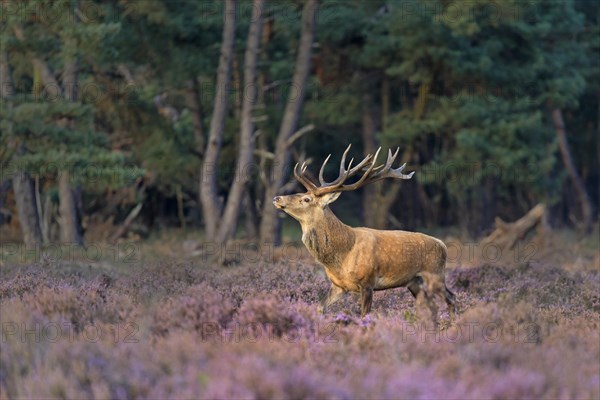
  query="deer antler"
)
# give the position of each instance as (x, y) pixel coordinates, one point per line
(301, 177)
(371, 173)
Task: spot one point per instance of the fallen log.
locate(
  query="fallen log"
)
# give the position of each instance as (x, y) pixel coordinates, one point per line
(507, 234)
(126, 224)
(513, 242)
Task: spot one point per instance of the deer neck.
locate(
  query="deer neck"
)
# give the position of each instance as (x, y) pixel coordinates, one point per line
(328, 239)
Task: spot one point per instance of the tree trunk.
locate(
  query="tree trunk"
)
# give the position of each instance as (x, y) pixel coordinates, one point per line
(262, 145)
(69, 224)
(383, 203)
(211, 207)
(48, 212)
(369, 129)
(69, 81)
(228, 223)
(51, 90)
(269, 230)
(379, 198)
(5, 215)
(195, 104)
(22, 183)
(70, 229)
(584, 200)
(238, 87)
(250, 217)
(26, 207)
(385, 100)
(7, 89)
(386, 195)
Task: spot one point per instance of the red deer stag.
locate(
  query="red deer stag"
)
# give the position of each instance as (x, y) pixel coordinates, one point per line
(362, 259)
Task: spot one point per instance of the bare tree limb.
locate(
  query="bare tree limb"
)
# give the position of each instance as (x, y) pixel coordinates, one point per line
(264, 154)
(298, 134)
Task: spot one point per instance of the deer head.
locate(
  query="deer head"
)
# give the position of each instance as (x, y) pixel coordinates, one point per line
(308, 207)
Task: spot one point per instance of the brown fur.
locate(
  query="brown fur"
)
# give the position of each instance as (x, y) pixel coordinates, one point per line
(362, 259)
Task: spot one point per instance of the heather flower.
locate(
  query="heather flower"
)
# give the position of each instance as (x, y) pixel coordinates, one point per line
(254, 332)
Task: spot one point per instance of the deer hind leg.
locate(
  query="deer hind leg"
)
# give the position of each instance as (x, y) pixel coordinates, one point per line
(433, 308)
(425, 288)
(366, 295)
(335, 293)
(414, 286)
(450, 301)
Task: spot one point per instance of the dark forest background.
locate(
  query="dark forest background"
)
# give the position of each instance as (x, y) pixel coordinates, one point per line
(143, 115)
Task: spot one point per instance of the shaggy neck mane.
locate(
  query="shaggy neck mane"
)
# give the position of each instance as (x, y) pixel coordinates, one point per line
(328, 239)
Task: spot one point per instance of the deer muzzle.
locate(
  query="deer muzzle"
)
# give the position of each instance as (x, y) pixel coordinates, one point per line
(277, 201)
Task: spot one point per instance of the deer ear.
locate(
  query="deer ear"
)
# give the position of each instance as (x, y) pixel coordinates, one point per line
(330, 198)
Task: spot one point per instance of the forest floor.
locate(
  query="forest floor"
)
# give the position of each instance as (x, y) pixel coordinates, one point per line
(146, 321)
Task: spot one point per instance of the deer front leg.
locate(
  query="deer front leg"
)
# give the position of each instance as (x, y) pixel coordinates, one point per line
(366, 295)
(335, 293)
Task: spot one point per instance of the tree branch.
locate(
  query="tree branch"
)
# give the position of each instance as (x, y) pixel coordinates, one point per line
(298, 134)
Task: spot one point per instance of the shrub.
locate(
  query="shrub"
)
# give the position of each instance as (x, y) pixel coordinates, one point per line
(201, 309)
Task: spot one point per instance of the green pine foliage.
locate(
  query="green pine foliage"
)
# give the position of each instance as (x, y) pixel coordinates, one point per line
(55, 134)
(470, 87)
